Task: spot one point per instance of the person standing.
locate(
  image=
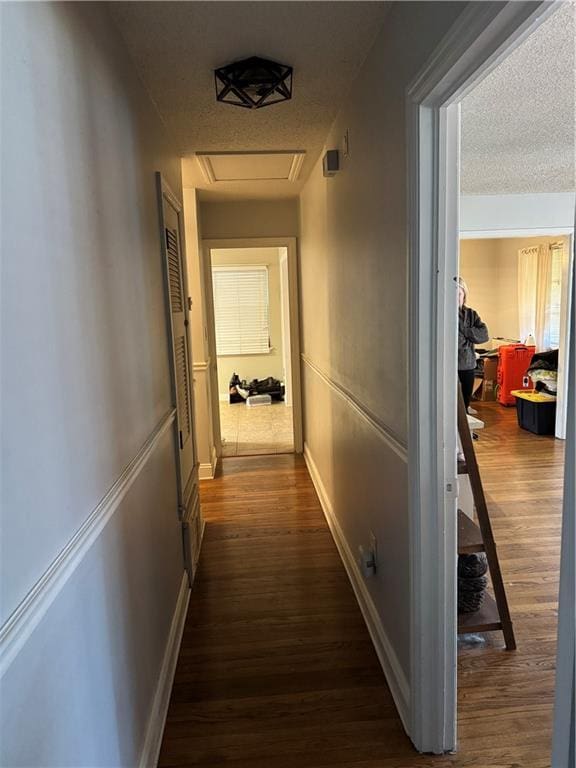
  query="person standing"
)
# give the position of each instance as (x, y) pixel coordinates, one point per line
(471, 331)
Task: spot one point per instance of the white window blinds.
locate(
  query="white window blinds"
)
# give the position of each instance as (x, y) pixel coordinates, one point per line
(241, 310)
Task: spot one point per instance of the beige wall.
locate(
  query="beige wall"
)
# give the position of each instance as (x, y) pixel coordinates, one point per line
(254, 366)
(200, 348)
(194, 274)
(249, 218)
(85, 384)
(490, 268)
(353, 282)
(481, 268)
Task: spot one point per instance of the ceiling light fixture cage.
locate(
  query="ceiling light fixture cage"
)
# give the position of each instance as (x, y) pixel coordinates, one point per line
(253, 83)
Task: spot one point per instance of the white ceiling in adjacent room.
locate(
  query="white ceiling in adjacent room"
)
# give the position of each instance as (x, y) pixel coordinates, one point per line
(518, 125)
(177, 46)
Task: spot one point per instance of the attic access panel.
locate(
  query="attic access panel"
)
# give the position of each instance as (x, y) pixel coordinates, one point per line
(250, 166)
(253, 83)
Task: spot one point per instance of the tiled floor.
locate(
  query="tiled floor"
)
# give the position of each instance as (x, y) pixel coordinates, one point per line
(258, 430)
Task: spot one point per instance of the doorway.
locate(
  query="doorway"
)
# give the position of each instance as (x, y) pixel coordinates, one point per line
(517, 282)
(481, 39)
(252, 325)
(520, 288)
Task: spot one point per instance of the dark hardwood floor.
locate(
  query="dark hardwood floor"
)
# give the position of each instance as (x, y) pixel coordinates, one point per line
(277, 669)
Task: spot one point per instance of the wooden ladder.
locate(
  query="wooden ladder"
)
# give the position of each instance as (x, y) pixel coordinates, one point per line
(493, 614)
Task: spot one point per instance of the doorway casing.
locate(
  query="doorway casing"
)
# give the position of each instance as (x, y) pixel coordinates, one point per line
(289, 243)
(483, 35)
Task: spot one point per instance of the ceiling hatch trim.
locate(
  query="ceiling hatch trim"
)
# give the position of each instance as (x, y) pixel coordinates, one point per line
(228, 167)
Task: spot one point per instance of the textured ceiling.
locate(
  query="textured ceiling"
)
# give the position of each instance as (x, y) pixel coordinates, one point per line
(177, 45)
(518, 125)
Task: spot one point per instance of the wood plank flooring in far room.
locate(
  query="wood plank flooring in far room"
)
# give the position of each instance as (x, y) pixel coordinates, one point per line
(277, 669)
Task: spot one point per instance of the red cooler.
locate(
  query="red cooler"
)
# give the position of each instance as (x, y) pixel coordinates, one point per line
(513, 363)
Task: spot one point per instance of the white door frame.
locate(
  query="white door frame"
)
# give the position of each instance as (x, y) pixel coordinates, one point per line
(565, 339)
(564, 737)
(257, 242)
(482, 36)
(285, 323)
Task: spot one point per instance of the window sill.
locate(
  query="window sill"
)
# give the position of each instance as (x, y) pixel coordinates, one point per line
(246, 354)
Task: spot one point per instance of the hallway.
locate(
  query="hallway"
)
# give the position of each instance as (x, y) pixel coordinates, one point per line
(277, 669)
(139, 140)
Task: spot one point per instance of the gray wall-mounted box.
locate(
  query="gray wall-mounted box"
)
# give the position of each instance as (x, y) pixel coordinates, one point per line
(331, 162)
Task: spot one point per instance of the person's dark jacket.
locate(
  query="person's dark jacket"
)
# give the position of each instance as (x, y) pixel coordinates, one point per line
(471, 330)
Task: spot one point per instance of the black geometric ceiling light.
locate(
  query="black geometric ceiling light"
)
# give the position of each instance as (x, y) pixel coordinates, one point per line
(253, 83)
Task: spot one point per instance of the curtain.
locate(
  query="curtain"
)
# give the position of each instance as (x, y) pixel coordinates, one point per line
(534, 292)
(543, 291)
(527, 285)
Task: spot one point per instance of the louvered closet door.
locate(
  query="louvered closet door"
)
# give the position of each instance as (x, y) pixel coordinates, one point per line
(181, 369)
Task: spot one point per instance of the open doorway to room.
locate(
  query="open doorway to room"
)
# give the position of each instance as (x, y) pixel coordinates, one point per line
(515, 266)
(252, 326)
(512, 167)
(517, 415)
(520, 289)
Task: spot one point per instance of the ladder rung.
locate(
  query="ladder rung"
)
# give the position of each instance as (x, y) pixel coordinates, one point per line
(485, 619)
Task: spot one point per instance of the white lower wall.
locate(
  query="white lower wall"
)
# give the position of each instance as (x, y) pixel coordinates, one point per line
(80, 691)
(203, 421)
(361, 472)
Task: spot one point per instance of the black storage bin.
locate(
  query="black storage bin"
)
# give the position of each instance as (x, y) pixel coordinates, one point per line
(536, 417)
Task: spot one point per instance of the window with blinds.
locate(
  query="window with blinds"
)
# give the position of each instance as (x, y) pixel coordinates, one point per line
(241, 310)
(553, 307)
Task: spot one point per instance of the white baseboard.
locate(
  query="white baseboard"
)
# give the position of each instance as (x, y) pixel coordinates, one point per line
(393, 672)
(157, 718)
(207, 471)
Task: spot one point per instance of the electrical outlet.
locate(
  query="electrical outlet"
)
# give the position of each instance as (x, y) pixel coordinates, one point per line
(366, 561)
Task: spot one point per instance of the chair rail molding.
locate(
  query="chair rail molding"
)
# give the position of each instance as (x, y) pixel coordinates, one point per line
(201, 366)
(20, 625)
(387, 435)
